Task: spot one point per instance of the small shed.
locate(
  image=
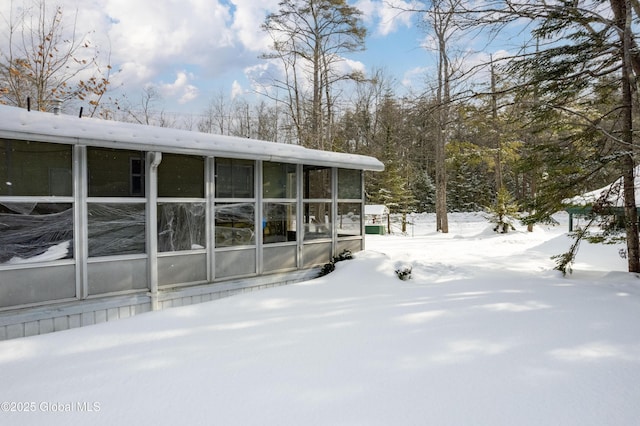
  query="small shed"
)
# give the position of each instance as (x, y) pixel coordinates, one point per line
(582, 205)
(376, 216)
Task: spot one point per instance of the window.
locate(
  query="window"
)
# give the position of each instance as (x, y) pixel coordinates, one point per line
(181, 226)
(349, 184)
(35, 169)
(136, 186)
(279, 188)
(349, 220)
(235, 214)
(279, 224)
(234, 178)
(35, 232)
(279, 180)
(35, 229)
(317, 182)
(317, 214)
(181, 176)
(115, 173)
(317, 220)
(116, 228)
(235, 224)
(181, 223)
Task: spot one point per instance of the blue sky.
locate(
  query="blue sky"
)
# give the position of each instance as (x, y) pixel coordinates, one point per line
(191, 51)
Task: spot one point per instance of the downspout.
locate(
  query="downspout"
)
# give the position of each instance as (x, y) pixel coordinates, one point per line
(334, 212)
(153, 161)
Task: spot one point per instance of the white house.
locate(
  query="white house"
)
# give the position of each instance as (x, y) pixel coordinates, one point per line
(101, 220)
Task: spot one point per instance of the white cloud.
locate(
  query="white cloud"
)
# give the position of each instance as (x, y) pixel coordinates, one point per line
(190, 93)
(394, 14)
(189, 48)
(236, 89)
(368, 9)
(164, 31)
(414, 78)
(147, 39)
(262, 75)
(132, 72)
(180, 89)
(347, 66)
(248, 17)
(387, 16)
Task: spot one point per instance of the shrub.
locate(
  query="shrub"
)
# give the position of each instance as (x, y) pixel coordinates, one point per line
(345, 255)
(327, 268)
(404, 273)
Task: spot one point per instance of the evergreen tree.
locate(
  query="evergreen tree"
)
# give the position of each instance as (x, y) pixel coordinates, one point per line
(577, 45)
(469, 187)
(424, 192)
(391, 187)
(503, 212)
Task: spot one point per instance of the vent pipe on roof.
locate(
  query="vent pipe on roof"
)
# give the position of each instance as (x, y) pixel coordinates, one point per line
(57, 106)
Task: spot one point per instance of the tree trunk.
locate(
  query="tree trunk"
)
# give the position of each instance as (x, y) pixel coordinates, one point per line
(443, 97)
(622, 11)
(442, 223)
(496, 132)
(533, 189)
(631, 216)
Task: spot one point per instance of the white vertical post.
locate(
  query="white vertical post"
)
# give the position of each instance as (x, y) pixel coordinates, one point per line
(209, 194)
(334, 212)
(300, 214)
(259, 216)
(362, 217)
(151, 184)
(80, 226)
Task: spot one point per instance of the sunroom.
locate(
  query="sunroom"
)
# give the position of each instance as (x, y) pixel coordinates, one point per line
(101, 220)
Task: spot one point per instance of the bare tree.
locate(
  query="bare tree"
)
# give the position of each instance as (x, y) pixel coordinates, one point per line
(144, 112)
(441, 20)
(267, 122)
(217, 116)
(310, 38)
(47, 60)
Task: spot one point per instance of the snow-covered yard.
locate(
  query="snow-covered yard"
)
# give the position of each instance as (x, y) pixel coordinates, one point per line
(485, 333)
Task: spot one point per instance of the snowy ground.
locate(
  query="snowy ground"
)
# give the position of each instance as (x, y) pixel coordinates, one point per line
(485, 333)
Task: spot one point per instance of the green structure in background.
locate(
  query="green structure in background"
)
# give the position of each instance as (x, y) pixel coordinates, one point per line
(376, 218)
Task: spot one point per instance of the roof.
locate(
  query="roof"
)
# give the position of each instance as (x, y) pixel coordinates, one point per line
(612, 193)
(376, 209)
(16, 123)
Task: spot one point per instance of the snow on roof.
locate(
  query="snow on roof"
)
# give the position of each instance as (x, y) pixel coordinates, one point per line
(612, 193)
(375, 209)
(16, 123)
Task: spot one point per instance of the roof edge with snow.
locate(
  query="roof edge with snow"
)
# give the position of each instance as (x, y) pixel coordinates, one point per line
(16, 123)
(611, 193)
